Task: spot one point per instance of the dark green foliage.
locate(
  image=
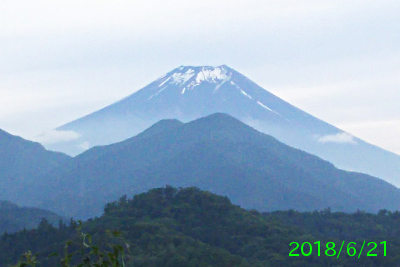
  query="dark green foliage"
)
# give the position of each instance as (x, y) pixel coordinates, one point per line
(88, 255)
(43, 240)
(190, 227)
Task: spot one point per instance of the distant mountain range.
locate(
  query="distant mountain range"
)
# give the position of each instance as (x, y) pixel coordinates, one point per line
(187, 93)
(217, 153)
(21, 161)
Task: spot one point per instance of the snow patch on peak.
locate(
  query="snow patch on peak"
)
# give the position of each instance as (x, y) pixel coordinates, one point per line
(157, 93)
(212, 74)
(246, 94)
(182, 78)
(187, 77)
(179, 77)
(228, 78)
(266, 107)
(166, 80)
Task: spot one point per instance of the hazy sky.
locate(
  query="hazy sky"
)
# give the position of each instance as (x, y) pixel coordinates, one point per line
(337, 60)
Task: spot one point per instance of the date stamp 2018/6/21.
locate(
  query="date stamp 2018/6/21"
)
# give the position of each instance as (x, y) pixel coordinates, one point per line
(330, 250)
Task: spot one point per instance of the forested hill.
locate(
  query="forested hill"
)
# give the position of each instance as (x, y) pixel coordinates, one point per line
(190, 227)
(14, 218)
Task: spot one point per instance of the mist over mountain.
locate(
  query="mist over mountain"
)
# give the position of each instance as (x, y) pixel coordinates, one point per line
(217, 153)
(187, 93)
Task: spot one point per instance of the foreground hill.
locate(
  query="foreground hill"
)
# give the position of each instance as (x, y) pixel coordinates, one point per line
(14, 218)
(172, 227)
(217, 153)
(188, 92)
(20, 163)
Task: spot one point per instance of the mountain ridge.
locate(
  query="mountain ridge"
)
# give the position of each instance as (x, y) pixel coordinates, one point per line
(14, 218)
(217, 153)
(21, 161)
(187, 93)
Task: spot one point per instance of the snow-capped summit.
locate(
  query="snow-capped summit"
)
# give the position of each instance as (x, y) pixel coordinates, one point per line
(188, 77)
(190, 92)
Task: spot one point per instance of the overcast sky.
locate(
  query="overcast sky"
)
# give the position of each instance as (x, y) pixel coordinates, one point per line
(337, 60)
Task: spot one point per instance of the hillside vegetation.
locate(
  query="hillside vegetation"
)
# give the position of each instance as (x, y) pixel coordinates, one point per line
(189, 227)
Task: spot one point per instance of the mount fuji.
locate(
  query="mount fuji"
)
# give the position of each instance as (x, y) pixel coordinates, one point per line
(187, 93)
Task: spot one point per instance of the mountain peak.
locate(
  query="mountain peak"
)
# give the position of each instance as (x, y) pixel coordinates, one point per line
(218, 118)
(189, 77)
(161, 126)
(206, 68)
(191, 92)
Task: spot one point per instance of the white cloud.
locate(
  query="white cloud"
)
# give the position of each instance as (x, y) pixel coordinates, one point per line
(339, 138)
(387, 132)
(84, 146)
(55, 136)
